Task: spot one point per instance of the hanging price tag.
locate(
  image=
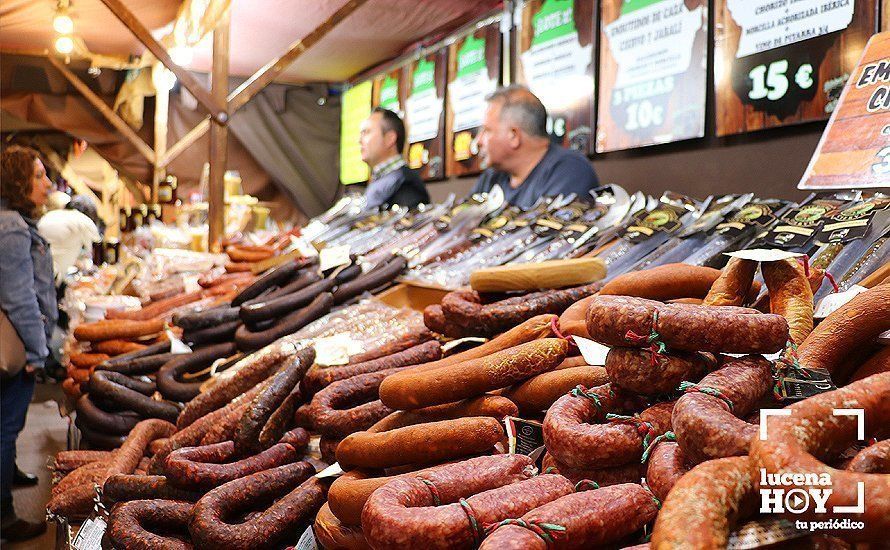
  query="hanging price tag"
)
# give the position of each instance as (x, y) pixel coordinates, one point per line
(524, 436)
(833, 302)
(89, 536)
(594, 353)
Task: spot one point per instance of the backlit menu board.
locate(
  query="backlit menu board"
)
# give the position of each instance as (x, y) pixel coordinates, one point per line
(782, 62)
(425, 113)
(653, 72)
(554, 58)
(354, 108)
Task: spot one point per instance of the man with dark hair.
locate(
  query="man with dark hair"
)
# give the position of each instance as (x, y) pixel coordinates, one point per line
(382, 141)
(521, 158)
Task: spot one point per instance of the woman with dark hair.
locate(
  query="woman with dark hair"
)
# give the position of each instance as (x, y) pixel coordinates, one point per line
(28, 299)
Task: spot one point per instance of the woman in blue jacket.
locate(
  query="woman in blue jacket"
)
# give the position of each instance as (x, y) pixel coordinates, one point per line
(28, 298)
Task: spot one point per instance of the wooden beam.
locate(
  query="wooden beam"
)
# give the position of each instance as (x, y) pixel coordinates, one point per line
(113, 118)
(219, 133)
(186, 141)
(262, 78)
(216, 107)
(162, 103)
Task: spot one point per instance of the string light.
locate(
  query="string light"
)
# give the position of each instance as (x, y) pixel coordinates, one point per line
(62, 22)
(64, 45)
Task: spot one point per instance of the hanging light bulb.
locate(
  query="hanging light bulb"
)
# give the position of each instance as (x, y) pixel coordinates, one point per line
(62, 22)
(64, 45)
(182, 55)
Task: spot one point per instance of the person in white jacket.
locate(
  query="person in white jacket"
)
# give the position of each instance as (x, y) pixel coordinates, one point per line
(68, 233)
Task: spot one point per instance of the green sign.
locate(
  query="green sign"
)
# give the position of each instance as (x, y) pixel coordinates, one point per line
(389, 93)
(424, 76)
(555, 20)
(471, 56)
(634, 5)
(355, 107)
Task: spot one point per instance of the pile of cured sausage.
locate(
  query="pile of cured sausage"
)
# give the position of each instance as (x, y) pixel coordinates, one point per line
(659, 446)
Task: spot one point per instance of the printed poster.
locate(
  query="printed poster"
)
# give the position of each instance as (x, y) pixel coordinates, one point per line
(653, 72)
(425, 113)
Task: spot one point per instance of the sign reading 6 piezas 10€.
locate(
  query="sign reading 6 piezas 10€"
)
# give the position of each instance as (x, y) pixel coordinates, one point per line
(855, 147)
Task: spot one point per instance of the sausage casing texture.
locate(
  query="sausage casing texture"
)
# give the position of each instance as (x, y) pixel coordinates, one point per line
(136, 525)
(706, 426)
(424, 512)
(208, 466)
(119, 389)
(666, 465)
(281, 418)
(604, 477)
(139, 365)
(67, 461)
(214, 334)
(214, 522)
(126, 487)
(319, 306)
(465, 308)
(539, 392)
(381, 275)
(168, 376)
(611, 320)
(332, 533)
(813, 433)
(632, 369)
(473, 377)
(732, 286)
(790, 296)
(665, 282)
(572, 440)
(485, 405)
(267, 401)
(275, 276)
(273, 307)
(122, 329)
(115, 423)
(238, 379)
(319, 377)
(198, 320)
(421, 443)
(589, 519)
(872, 459)
(349, 405)
(703, 505)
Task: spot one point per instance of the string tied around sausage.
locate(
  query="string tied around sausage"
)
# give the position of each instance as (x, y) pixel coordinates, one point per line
(645, 429)
(586, 485)
(554, 326)
(789, 362)
(475, 526)
(652, 341)
(433, 490)
(547, 531)
(548, 470)
(666, 436)
(692, 387)
(655, 499)
(581, 391)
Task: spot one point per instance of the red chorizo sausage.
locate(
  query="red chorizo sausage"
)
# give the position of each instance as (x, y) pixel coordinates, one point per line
(136, 525)
(208, 466)
(603, 477)
(666, 466)
(790, 296)
(485, 405)
(349, 405)
(121, 329)
(126, 487)
(643, 372)
(872, 459)
(665, 282)
(733, 285)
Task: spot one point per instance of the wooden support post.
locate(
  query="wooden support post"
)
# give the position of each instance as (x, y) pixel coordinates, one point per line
(218, 136)
(216, 107)
(113, 118)
(162, 103)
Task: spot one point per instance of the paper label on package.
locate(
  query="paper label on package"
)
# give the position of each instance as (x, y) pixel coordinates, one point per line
(593, 353)
(307, 540)
(833, 302)
(177, 345)
(190, 284)
(89, 536)
(333, 256)
(335, 350)
(764, 254)
(770, 24)
(334, 470)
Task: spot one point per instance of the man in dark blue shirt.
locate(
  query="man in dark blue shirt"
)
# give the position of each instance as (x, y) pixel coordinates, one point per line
(521, 158)
(382, 140)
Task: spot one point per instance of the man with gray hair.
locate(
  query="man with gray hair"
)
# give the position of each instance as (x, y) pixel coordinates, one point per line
(521, 158)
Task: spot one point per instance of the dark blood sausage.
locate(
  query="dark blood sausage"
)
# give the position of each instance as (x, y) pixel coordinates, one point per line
(98, 439)
(485, 405)
(238, 379)
(215, 519)
(465, 308)
(302, 280)
(347, 274)
(374, 279)
(420, 444)
(255, 312)
(350, 405)
(249, 341)
(872, 459)
(281, 419)
(138, 365)
(168, 378)
(136, 525)
(208, 466)
(588, 519)
(126, 487)
(666, 466)
(318, 377)
(122, 390)
(212, 334)
(267, 401)
(448, 506)
(813, 433)
(706, 425)
(628, 473)
(153, 349)
(632, 369)
(613, 320)
(703, 505)
(274, 277)
(194, 321)
(113, 423)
